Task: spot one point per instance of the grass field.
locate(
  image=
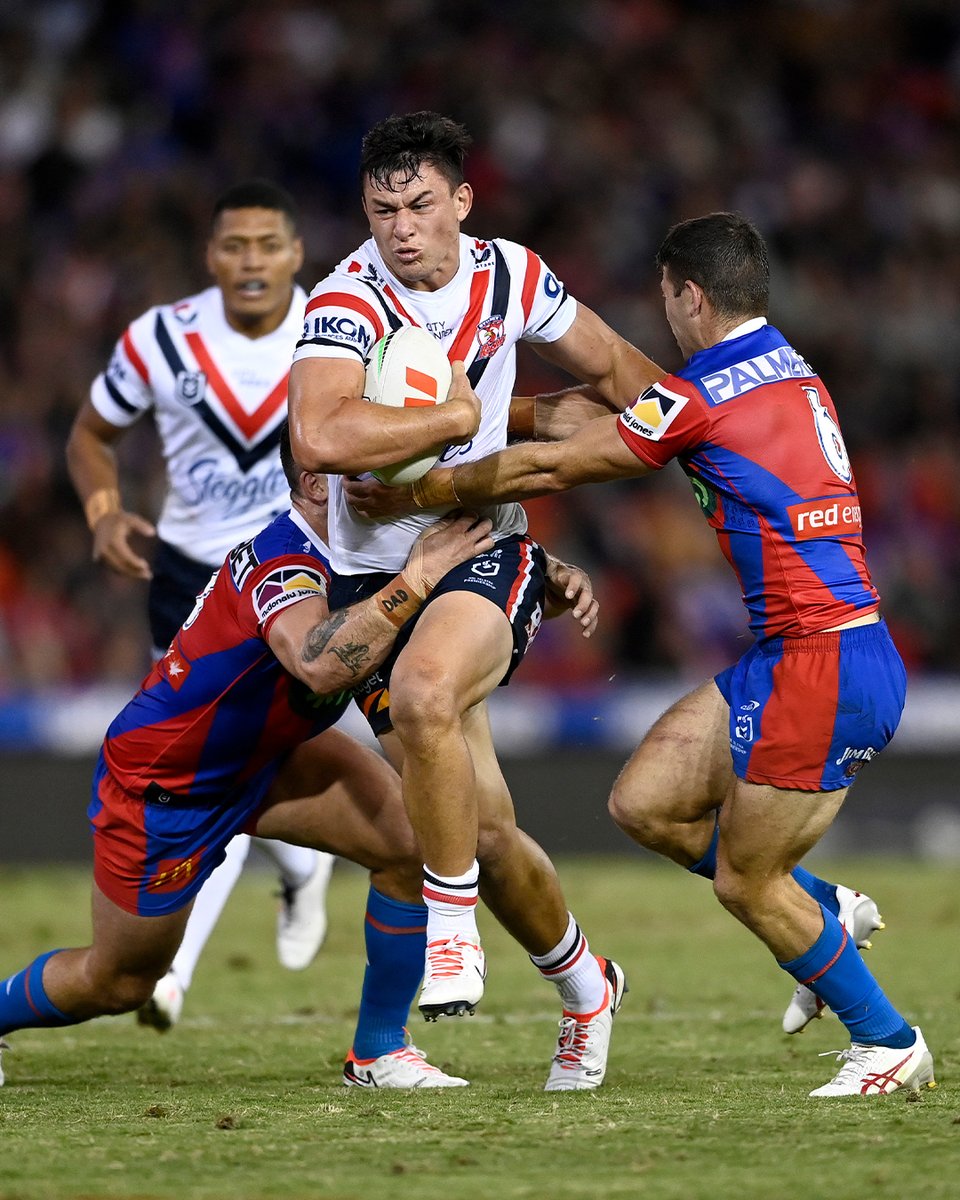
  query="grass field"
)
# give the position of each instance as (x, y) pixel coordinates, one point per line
(705, 1098)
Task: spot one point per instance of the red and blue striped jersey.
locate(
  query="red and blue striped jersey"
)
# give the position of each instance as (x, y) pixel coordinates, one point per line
(219, 708)
(755, 430)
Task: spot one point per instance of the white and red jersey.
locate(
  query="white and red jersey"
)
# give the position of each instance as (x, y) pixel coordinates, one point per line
(219, 399)
(501, 294)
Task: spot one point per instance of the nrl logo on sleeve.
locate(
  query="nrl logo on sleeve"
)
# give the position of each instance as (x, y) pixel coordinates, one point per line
(653, 413)
(286, 585)
(190, 387)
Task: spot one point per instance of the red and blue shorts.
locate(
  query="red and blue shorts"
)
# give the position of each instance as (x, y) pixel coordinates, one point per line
(151, 858)
(512, 576)
(809, 712)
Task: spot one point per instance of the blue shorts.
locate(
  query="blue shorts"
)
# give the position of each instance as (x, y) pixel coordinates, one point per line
(810, 712)
(151, 858)
(511, 576)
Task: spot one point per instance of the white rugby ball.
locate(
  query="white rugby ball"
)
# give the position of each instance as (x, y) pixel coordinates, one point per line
(407, 368)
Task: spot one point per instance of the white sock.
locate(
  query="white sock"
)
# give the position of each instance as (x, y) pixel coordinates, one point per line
(295, 863)
(451, 902)
(574, 970)
(207, 908)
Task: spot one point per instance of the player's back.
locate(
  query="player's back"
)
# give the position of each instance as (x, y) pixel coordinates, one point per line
(762, 446)
(218, 707)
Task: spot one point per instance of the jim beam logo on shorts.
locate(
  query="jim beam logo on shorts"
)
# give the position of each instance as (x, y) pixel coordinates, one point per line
(853, 760)
(653, 413)
(285, 586)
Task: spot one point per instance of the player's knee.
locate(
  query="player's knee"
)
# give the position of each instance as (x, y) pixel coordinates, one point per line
(124, 993)
(735, 891)
(421, 698)
(632, 811)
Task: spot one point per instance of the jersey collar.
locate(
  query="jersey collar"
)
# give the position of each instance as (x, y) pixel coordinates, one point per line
(750, 326)
(303, 525)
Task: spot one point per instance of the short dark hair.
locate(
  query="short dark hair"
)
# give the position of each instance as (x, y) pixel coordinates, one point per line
(400, 145)
(726, 256)
(291, 468)
(257, 193)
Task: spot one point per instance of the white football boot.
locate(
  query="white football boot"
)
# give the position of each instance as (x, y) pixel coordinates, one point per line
(302, 920)
(453, 978)
(580, 1062)
(405, 1068)
(878, 1070)
(3, 1046)
(860, 917)
(162, 1011)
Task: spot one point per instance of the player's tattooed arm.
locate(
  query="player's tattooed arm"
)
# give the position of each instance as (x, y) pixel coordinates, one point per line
(355, 655)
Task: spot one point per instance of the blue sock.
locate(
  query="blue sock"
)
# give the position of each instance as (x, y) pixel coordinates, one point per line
(834, 970)
(824, 893)
(396, 938)
(25, 1005)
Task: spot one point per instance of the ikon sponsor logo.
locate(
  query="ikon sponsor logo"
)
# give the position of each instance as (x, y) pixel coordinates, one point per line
(824, 518)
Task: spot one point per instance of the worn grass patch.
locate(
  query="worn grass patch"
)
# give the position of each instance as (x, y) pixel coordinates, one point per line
(705, 1097)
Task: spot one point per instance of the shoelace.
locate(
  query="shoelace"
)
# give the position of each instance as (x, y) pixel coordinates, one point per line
(572, 1043)
(855, 1059)
(412, 1055)
(445, 959)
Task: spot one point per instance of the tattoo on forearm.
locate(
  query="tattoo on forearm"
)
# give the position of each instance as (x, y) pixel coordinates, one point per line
(319, 636)
(354, 656)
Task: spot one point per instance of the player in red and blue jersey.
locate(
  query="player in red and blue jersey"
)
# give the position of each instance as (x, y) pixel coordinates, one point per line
(230, 731)
(744, 775)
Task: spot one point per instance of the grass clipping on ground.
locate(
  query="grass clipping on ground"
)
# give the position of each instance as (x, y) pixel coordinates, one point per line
(705, 1097)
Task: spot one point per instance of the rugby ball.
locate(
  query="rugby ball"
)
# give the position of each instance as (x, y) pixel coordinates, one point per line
(407, 368)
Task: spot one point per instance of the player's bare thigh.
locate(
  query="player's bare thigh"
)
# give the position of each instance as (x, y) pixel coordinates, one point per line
(458, 653)
(682, 768)
(335, 794)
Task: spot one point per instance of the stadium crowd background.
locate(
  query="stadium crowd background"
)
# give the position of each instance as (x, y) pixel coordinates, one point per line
(834, 124)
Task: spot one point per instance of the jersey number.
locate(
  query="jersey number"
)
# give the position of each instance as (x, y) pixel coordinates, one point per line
(831, 439)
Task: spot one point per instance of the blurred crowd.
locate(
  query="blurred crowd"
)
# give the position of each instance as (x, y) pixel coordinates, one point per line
(833, 124)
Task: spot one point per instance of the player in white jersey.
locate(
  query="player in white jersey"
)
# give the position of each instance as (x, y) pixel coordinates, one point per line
(212, 369)
(479, 298)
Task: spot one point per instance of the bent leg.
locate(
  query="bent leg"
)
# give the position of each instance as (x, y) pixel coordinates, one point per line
(115, 973)
(667, 795)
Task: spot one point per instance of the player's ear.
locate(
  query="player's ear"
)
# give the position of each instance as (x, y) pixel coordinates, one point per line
(297, 254)
(314, 487)
(463, 200)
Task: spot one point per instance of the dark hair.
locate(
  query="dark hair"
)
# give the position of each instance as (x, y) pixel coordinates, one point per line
(257, 193)
(725, 255)
(291, 468)
(400, 145)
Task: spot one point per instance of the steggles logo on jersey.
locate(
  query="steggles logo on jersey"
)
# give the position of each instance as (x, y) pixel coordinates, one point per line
(491, 335)
(285, 586)
(238, 493)
(190, 387)
(653, 413)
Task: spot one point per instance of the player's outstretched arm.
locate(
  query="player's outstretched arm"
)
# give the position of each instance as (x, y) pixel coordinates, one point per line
(613, 371)
(332, 651)
(92, 465)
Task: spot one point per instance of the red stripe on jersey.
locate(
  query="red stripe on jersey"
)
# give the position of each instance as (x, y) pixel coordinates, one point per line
(468, 330)
(358, 305)
(135, 360)
(394, 300)
(531, 278)
(249, 424)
